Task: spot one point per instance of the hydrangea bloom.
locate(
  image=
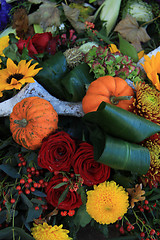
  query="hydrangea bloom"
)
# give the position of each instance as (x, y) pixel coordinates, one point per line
(4, 13)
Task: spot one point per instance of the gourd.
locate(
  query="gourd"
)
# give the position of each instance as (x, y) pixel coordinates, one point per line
(113, 90)
(31, 120)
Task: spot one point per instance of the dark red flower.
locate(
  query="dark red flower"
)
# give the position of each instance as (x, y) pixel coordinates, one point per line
(40, 41)
(84, 164)
(72, 199)
(56, 152)
(27, 44)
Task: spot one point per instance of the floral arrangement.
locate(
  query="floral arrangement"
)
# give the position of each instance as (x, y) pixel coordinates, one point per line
(62, 172)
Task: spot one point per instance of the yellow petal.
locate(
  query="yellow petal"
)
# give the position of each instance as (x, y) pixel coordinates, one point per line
(11, 66)
(27, 80)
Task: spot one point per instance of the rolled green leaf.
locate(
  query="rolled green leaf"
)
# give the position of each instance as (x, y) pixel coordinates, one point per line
(122, 155)
(75, 81)
(122, 124)
(54, 69)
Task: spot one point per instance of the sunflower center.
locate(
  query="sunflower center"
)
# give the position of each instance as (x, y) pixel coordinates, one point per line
(17, 76)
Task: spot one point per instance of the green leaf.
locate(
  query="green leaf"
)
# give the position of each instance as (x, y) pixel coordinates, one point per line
(82, 192)
(9, 170)
(20, 232)
(153, 198)
(54, 69)
(39, 193)
(122, 155)
(3, 215)
(26, 200)
(127, 49)
(6, 233)
(33, 214)
(74, 82)
(63, 195)
(82, 218)
(12, 52)
(120, 123)
(5, 143)
(37, 201)
(60, 185)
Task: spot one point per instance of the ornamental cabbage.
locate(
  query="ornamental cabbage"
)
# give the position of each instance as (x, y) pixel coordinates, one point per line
(138, 9)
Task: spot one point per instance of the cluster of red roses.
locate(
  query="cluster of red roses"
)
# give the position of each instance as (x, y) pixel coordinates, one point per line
(45, 42)
(60, 152)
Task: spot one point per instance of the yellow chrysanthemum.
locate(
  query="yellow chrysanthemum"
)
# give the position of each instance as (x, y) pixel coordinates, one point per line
(4, 42)
(14, 76)
(113, 48)
(47, 232)
(107, 202)
(152, 68)
(141, 54)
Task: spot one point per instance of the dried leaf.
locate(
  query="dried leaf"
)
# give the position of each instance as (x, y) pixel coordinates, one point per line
(47, 217)
(72, 15)
(46, 16)
(136, 194)
(20, 22)
(132, 32)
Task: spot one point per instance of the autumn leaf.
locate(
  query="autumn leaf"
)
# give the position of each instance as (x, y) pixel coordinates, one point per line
(46, 16)
(20, 22)
(132, 32)
(136, 194)
(47, 217)
(72, 15)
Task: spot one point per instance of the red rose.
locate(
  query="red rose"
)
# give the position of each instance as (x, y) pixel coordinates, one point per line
(26, 43)
(71, 201)
(56, 152)
(40, 41)
(84, 164)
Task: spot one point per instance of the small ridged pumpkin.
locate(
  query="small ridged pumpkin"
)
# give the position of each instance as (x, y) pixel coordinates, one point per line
(31, 120)
(113, 90)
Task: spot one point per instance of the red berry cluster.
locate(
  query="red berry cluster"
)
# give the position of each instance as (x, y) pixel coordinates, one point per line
(70, 213)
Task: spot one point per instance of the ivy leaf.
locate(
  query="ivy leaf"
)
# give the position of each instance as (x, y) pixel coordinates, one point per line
(63, 195)
(9, 170)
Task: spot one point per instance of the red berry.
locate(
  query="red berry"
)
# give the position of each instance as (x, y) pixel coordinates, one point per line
(72, 175)
(35, 184)
(158, 233)
(22, 181)
(26, 185)
(28, 169)
(56, 173)
(19, 155)
(32, 189)
(37, 172)
(29, 175)
(142, 234)
(18, 187)
(24, 163)
(30, 180)
(41, 181)
(45, 184)
(19, 192)
(141, 209)
(38, 185)
(121, 230)
(117, 225)
(152, 232)
(36, 208)
(13, 200)
(32, 169)
(120, 218)
(65, 179)
(146, 202)
(154, 205)
(27, 191)
(71, 213)
(0, 209)
(20, 164)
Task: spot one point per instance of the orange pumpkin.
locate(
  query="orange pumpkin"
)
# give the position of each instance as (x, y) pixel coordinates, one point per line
(113, 90)
(31, 120)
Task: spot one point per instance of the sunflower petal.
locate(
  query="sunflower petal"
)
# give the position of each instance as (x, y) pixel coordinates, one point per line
(11, 66)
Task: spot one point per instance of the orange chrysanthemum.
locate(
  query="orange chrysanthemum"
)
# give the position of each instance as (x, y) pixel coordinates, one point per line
(107, 202)
(152, 69)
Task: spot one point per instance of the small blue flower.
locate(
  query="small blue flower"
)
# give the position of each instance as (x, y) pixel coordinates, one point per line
(4, 13)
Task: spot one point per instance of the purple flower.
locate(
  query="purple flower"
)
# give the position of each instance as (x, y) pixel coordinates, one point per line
(4, 14)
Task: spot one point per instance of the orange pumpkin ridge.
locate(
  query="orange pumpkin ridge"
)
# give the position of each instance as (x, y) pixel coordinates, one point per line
(31, 120)
(108, 89)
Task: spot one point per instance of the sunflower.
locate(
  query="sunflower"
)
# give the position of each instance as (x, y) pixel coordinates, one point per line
(152, 69)
(16, 76)
(4, 42)
(107, 202)
(47, 232)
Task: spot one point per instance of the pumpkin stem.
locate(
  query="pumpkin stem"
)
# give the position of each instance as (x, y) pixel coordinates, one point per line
(22, 123)
(115, 100)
